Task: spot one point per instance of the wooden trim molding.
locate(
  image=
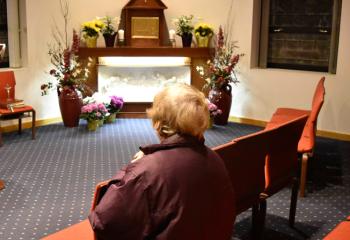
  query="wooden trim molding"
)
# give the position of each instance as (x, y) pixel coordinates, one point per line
(140, 114)
(38, 123)
(319, 133)
(145, 51)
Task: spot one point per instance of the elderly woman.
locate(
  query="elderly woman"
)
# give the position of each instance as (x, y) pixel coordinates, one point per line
(178, 189)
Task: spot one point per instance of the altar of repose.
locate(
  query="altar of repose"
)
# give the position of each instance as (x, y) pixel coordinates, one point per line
(146, 60)
(132, 73)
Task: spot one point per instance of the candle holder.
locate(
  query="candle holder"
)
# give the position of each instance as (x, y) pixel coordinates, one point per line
(121, 42)
(172, 43)
(8, 89)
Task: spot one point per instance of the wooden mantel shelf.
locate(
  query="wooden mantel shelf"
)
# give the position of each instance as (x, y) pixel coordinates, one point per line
(143, 52)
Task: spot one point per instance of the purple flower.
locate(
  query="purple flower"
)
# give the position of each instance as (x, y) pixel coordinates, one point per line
(116, 104)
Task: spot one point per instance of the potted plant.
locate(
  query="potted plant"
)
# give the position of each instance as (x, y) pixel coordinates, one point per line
(109, 30)
(184, 28)
(203, 33)
(93, 113)
(114, 106)
(69, 73)
(213, 112)
(91, 30)
(219, 74)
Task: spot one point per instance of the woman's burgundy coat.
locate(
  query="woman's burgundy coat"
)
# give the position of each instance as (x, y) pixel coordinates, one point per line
(178, 190)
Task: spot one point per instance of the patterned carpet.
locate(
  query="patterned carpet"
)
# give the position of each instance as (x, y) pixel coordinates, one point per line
(50, 181)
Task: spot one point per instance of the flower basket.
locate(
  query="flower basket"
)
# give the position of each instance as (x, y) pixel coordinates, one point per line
(91, 31)
(211, 122)
(92, 125)
(91, 42)
(203, 41)
(101, 122)
(94, 112)
(203, 33)
(111, 118)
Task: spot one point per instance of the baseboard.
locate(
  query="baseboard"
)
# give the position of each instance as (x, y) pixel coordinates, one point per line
(333, 135)
(38, 123)
(320, 133)
(255, 122)
(249, 121)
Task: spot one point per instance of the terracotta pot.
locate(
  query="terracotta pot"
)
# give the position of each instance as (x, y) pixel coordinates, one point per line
(186, 39)
(109, 39)
(70, 106)
(222, 98)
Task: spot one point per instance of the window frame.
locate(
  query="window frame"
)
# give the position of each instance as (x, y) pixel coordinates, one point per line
(264, 37)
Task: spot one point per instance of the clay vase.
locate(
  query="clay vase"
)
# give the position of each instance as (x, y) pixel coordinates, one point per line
(186, 39)
(109, 39)
(222, 98)
(70, 106)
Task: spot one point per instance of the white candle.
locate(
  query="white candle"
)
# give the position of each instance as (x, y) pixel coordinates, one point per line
(121, 34)
(171, 34)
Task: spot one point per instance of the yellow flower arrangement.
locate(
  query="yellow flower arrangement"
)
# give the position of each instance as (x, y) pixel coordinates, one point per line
(203, 30)
(92, 28)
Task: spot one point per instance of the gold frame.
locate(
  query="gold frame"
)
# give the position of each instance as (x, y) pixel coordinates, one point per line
(145, 27)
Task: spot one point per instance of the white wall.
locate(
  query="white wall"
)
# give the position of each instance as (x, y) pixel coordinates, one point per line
(258, 94)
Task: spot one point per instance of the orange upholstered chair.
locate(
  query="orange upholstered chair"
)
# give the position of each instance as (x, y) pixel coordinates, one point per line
(282, 159)
(340, 232)
(2, 184)
(307, 141)
(82, 230)
(7, 83)
(244, 159)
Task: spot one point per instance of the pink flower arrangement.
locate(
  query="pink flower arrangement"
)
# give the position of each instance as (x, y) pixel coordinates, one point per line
(213, 109)
(93, 111)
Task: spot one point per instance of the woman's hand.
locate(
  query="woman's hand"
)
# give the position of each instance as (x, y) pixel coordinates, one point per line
(137, 156)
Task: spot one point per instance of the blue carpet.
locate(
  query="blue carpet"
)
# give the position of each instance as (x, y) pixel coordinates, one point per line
(50, 181)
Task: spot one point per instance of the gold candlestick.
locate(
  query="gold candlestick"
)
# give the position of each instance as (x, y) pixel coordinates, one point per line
(8, 88)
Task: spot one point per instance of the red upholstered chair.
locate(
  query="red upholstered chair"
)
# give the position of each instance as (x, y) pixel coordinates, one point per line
(7, 79)
(307, 141)
(82, 230)
(244, 159)
(340, 232)
(282, 159)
